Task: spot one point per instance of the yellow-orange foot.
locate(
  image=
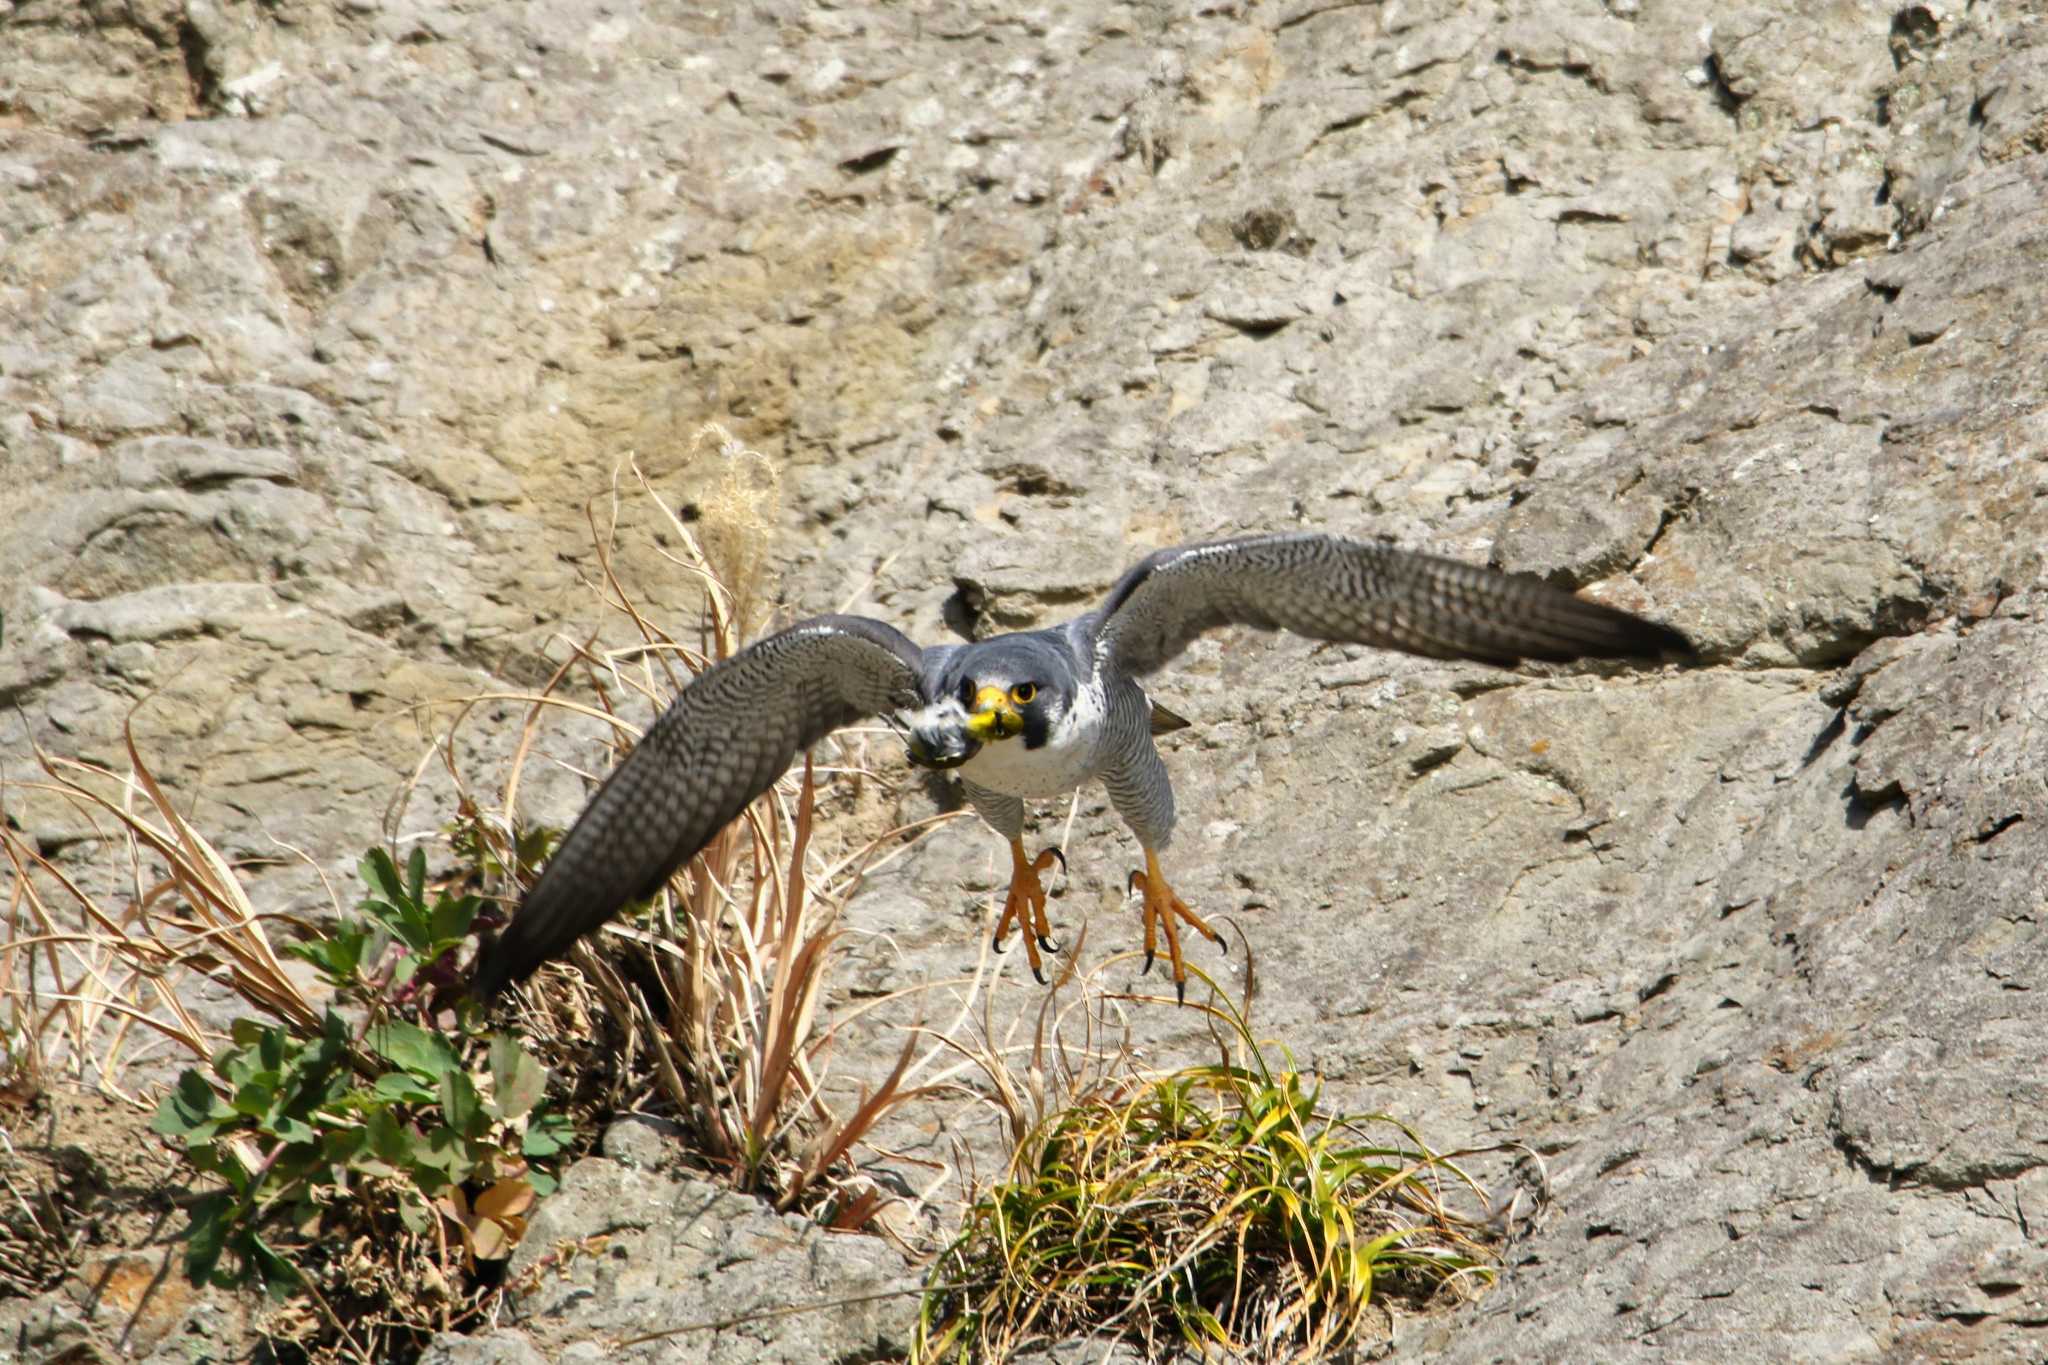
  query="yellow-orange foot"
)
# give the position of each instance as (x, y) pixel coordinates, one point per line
(1025, 905)
(1164, 909)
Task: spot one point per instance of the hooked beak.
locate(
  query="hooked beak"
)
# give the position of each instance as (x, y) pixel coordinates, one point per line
(993, 716)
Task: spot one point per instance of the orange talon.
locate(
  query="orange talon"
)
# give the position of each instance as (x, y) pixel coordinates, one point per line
(1162, 909)
(1025, 904)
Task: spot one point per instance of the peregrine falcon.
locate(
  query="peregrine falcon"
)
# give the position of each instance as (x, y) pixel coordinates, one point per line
(1028, 715)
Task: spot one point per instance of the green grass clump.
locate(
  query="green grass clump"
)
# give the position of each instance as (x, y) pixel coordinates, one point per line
(1218, 1207)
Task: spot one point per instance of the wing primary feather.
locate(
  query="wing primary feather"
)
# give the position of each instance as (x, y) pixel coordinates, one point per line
(1330, 588)
(725, 740)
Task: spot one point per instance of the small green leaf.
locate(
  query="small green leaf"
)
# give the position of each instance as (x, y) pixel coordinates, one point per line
(460, 1105)
(388, 1138)
(519, 1081)
(246, 1032)
(400, 1087)
(191, 1111)
(344, 1146)
(380, 874)
(425, 1054)
(338, 955)
(444, 1153)
(256, 1097)
(207, 1236)
(416, 875)
(280, 1277)
(294, 1130)
(451, 919)
(532, 846)
(211, 1158)
(414, 1212)
(547, 1134)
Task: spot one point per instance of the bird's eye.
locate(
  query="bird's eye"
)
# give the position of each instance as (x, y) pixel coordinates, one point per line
(967, 692)
(1022, 693)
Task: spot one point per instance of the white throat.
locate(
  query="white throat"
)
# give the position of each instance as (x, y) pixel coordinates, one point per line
(1062, 763)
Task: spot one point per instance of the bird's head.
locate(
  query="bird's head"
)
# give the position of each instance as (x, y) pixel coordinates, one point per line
(996, 690)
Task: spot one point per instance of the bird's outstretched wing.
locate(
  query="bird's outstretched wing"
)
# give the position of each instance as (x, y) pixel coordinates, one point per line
(726, 739)
(1329, 588)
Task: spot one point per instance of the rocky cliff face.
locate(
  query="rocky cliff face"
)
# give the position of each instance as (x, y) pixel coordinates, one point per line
(322, 325)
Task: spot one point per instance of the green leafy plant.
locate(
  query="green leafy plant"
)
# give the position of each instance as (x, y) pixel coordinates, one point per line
(375, 1152)
(357, 1128)
(1217, 1207)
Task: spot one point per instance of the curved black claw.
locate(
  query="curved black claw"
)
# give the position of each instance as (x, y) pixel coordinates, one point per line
(1054, 850)
(996, 945)
(1040, 975)
(1180, 988)
(1146, 970)
(1047, 945)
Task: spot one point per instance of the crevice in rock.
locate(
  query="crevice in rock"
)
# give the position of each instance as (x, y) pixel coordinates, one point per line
(1583, 72)
(962, 610)
(1897, 618)
(1916, 30)
(1392, 104)
(1433, 758)
(1656, 988)
(200, 81)
(1032, 481)
(1825, 740)
(1724, 94)
(1861, 1162)
(1674, 509)
(1991, 829)
(1256, 328)
(1264, 228)
(1316, 12)
(108, 143)
(1860, 807)
(869, 162)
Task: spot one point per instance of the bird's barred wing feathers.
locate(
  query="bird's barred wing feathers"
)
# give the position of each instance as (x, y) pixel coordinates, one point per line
(726, 739)
(1330, 588)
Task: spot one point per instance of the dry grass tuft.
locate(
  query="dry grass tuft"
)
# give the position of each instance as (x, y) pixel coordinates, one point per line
(81, 975)
(739, 525)
(707, 1008)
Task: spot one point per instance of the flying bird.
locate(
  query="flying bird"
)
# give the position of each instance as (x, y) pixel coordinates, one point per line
(1028, 715)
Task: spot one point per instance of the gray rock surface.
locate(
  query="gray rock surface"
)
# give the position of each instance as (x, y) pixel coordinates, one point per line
(707, 1274)
(321, 326)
